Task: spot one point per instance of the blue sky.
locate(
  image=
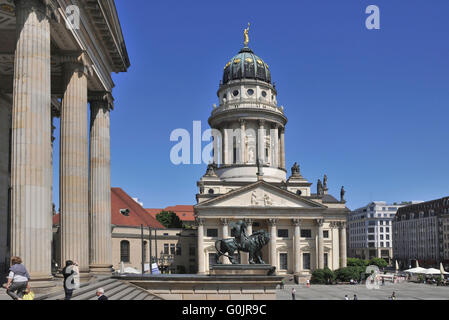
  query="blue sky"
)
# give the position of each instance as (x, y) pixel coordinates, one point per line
(367, 107)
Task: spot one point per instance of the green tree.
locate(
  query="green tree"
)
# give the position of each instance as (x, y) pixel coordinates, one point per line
(169, 219)
(381, 263)
(356, 262)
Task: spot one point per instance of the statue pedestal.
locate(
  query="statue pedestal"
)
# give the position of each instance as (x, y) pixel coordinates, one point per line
(242, 270)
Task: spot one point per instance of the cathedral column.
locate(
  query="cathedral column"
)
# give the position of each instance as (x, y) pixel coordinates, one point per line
(320, 249)
(261, 142)
(201, 258)
(225, 146)
(273, 235)
(74, 171)
(224, 235)
(242, 153)
(31, 170)
(282, 149)
(249, 228)
(274, 137)
(297, 246)
(100, 184)
(215, 146)
(342, 244)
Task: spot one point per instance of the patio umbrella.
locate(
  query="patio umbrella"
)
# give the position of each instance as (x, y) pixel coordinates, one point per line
(397, 265)
(416, 270)
(442, 269)
(417, 263)
(432, 271)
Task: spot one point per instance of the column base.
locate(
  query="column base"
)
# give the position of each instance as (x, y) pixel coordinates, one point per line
(101, 269)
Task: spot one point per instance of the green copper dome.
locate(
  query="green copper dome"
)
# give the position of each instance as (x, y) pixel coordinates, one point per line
(246, 65)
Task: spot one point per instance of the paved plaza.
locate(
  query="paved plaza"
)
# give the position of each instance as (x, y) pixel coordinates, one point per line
(403, 291)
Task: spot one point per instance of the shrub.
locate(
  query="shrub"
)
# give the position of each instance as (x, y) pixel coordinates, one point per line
(348, 273)
(381, 263)
(322, 276)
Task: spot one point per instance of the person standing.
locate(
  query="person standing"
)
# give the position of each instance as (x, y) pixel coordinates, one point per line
(100, 294)
(69, 273)
(393, 296)
(346, 297)
(18, 278)
(355, 297)
(293, 294)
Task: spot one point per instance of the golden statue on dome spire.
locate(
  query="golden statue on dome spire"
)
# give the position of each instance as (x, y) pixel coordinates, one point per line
(245, 33)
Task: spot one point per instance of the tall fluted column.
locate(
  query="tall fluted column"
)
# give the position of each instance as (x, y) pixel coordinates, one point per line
(274, 136)
(261, 142)
(73, 191)
(201, 258)
(225, 235)
(342, 244)
(215, 146)
(225, 147)
(242, 153)
(273, 236)
(297, 245)
(282, 149)
(31, 203)
(320, 250)
(100, 184)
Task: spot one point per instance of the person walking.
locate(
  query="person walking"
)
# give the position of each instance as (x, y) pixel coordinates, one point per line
(355, 297)
(293, 294)
(346, 297)
(18, 279)
(100, 294)
(308, 283)
(393, 296)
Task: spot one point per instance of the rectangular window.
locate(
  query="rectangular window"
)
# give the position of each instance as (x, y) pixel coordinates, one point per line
(387, 229)
(283, 233)
(381, 237)
(371, 237)
(306, 261)
(388, 244)
(326, 234)
(381, 229)
(213, 233)
(370, 230)
(283, 261)
(388, 237)
(166, 248)
(172, 248)
(325, 260)
(306, 233)
(124, 251)
(213, 259)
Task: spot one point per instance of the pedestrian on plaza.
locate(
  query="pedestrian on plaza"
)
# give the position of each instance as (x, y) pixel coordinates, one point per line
(346, 297)
(308, 283)
(383, 281)
(293, 294)
(18, 278)
(355, 297)
(70, 273)
(282, 284)
(393, 296)
(100, 294)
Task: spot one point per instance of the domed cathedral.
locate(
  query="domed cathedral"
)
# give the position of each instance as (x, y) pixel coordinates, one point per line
(247, 180)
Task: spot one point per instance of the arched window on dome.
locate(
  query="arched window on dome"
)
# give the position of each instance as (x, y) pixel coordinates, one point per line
(249, 68)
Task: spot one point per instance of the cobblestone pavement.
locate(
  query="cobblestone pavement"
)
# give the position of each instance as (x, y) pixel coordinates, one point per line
(403, 291)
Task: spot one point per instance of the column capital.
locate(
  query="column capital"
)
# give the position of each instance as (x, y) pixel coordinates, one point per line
(275, 126)
(200, 221)
(296, 222)
(261, 123)
(103, 98)
(248, 221)
(75, 61)
(319, 222)
(341, 224)
(282, 129)
(224, 221)
(242, 122)
(273, 221)
(49, 8)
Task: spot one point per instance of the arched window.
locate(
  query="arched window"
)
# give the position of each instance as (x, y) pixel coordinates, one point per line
(145, 249)
(124, 251)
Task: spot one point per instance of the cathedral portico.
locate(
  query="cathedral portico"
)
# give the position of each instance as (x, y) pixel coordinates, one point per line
(50, 64)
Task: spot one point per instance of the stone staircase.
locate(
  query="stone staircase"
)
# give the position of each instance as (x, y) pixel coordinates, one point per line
(114, 289)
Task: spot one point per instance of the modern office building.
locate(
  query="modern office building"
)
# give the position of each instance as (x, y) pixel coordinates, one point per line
(370, 230)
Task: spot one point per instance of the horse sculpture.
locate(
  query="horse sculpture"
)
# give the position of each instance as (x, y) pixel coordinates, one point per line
(252, 244)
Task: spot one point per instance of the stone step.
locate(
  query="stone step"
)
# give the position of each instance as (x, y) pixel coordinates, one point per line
(131, 295)
(92, 294)
(122, 293)
(84, 287)
(142, 296)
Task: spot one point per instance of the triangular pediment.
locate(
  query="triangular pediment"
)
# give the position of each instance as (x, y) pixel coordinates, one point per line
(261, 194)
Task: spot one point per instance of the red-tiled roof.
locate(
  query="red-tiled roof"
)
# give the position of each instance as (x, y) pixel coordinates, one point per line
(184, 212)
(137, 215)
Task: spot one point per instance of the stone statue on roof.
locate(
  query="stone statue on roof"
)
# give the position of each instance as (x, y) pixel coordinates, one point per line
(319, 188)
